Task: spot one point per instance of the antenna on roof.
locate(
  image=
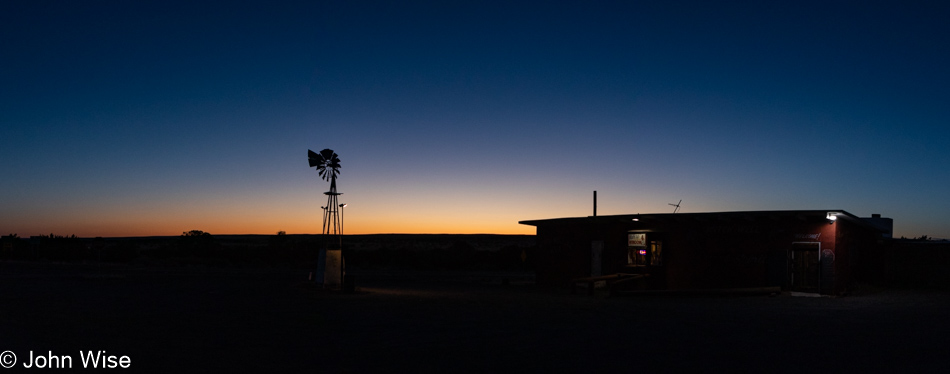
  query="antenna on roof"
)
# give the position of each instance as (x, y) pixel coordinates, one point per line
(677, 205)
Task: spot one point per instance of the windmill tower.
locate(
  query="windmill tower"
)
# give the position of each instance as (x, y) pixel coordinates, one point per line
(330, 265)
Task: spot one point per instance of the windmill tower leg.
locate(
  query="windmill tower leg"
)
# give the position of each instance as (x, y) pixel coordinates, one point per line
(332, 253)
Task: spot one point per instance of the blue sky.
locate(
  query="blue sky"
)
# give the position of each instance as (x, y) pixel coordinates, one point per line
(154, 118)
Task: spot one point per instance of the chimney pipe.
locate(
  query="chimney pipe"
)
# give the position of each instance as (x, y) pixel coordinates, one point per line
(595, 203)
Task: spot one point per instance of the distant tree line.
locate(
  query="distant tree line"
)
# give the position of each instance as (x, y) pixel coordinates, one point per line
(923, 238)
(62, 249)
(200, 248)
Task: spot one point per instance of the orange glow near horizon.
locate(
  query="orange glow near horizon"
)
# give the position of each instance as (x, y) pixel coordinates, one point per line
(297, 211)
(173, 222)
(85, 231)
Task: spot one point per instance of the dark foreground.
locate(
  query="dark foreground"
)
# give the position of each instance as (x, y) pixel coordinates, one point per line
(198, 320)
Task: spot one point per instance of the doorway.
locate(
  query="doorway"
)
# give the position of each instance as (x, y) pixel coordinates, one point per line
(596, 257)
(804, 267)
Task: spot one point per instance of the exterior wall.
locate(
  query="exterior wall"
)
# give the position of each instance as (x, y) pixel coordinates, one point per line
(853, 243)
(564, 251)
(831, 250)
(615, 250)
(739, 254)
(707, 251)
(563, 254)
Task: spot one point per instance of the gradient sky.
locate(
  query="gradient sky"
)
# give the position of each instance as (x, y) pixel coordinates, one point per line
(133, 118)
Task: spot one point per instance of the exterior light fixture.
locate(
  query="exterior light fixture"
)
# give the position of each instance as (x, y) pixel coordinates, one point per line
(636, 220)
(341, 217)
(832, 216)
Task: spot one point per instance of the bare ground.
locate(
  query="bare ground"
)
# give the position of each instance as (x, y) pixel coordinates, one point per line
(201, 320)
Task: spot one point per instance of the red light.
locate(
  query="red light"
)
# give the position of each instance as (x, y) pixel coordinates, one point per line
(643, 252)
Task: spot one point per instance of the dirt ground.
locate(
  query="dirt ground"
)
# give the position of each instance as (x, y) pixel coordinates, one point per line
(201, 320)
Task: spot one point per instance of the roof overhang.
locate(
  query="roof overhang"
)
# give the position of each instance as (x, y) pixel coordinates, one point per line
(774, 215)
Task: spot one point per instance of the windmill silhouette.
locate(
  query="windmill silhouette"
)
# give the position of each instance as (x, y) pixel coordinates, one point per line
(330, 265)
(327, 163)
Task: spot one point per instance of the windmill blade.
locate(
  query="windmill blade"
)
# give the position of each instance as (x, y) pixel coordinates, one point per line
(329, 156)
(327, 163)
(331, 161)
(314, 158)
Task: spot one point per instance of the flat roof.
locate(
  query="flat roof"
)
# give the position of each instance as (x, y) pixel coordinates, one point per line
(667, 217)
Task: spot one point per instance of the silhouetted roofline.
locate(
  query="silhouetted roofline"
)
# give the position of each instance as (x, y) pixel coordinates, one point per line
(667, 217)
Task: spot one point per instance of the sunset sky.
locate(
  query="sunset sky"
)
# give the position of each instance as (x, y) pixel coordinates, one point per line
(138, 118)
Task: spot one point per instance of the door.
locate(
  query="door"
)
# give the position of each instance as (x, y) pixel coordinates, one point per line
(804, 267)
(596, 257)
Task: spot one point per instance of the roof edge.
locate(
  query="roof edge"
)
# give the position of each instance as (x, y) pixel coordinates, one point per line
(564, 220)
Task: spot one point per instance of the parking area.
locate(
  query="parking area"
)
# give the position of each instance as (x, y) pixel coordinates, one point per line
(197, 320)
